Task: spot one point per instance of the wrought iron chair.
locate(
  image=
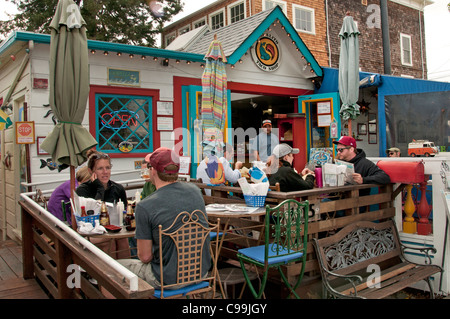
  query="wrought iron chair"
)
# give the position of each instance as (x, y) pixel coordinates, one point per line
(190, 239)
(286, 232)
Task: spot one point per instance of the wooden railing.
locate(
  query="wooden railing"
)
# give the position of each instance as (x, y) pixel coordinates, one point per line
(49, 250)
(331, 208)
(53, 253)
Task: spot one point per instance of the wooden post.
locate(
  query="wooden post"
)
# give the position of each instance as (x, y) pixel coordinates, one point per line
(27, 245)
(72, 191)
(63, 260)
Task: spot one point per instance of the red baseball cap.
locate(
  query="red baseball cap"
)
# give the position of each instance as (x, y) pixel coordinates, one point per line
(346, 140)
(163, 157)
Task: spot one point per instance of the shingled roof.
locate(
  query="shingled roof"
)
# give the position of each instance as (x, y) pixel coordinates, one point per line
(238, 37)
(232, 36)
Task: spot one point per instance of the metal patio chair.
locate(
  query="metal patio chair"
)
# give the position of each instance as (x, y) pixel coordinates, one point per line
(190, 241)
(286, 231)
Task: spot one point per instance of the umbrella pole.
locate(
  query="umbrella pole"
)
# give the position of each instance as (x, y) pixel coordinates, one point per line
(72, 191)
(349, 127)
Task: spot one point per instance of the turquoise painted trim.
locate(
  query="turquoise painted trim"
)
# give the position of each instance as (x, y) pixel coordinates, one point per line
(277, 13)
(184, 90)
(334, 96)
(382, 123)
(105, 46)
(192, 90)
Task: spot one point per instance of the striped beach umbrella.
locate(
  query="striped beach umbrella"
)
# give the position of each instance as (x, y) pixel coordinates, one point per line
(214, 87)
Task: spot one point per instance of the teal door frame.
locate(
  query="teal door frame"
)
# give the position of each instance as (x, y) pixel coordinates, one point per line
(335, 107)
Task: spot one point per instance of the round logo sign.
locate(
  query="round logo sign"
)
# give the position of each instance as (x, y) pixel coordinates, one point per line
(266, 53)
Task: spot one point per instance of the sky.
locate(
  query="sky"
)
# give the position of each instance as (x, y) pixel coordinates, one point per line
(437, 38)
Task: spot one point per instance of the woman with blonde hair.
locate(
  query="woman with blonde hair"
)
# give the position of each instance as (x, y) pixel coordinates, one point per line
(101, 187)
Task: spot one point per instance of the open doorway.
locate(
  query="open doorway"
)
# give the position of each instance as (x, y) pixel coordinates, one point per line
(250, 110)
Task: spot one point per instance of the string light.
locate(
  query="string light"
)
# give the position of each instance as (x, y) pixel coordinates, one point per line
(165, 61)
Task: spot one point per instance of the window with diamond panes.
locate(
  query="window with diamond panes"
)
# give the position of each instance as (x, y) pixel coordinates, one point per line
(122, 118)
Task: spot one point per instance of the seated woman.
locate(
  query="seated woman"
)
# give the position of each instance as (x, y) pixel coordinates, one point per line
(62, 193)
(101, 187)
(285, 174)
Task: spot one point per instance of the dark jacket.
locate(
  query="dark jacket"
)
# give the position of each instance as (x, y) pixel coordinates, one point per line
(370, 172)
(95, 190)
(290, 180)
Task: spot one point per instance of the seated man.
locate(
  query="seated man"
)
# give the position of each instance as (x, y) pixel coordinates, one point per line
(366, 172)
(214, 170)
(393, 152)
(170, 198)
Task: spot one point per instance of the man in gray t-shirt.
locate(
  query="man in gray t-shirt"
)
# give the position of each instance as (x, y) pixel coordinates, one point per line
(161, 208)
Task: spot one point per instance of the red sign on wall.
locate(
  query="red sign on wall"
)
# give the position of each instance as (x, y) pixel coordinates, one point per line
(25, 132)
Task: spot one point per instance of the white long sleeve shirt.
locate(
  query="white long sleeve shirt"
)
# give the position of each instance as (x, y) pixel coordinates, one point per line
(230, 175)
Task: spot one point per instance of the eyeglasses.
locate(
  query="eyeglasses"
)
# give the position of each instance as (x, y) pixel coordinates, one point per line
(340, 150)
(391, 153)
(100, 155)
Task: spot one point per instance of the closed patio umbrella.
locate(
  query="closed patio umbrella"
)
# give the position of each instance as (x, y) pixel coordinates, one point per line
(214, 87)
(69, 87)
(349, 70)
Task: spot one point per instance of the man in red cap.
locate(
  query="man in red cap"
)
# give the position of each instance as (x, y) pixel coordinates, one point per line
(161, 208)
(366, 172)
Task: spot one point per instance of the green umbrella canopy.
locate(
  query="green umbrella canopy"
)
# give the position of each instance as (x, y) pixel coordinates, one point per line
(349, 69)
(69, 86)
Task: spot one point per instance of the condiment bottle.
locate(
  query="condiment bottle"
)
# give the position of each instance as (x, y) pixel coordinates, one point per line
(104, 215)
(130, 221)
(83, 211)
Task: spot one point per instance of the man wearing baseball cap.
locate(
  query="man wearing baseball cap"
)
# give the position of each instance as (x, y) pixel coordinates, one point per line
(264, 143)
(393, 152)
(161, 208)
(285, 174)
(366, 172)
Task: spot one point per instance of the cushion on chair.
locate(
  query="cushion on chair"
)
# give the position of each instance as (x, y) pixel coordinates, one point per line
(257, 253)
(181, 291)
(213, 235)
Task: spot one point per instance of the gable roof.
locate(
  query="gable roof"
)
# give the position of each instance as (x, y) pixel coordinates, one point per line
(238, 37)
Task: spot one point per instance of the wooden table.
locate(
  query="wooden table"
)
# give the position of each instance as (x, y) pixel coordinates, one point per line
(236, 225)
(110, 237)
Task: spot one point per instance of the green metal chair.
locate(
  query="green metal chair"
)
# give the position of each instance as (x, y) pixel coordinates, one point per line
(286, 234)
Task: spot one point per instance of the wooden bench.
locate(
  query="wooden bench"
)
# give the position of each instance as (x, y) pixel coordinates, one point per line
(349, 262)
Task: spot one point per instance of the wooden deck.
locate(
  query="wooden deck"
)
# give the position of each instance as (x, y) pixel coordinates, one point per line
(12, 284)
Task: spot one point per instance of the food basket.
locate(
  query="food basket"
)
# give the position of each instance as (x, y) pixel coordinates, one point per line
(88, 219)
(255, 200)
